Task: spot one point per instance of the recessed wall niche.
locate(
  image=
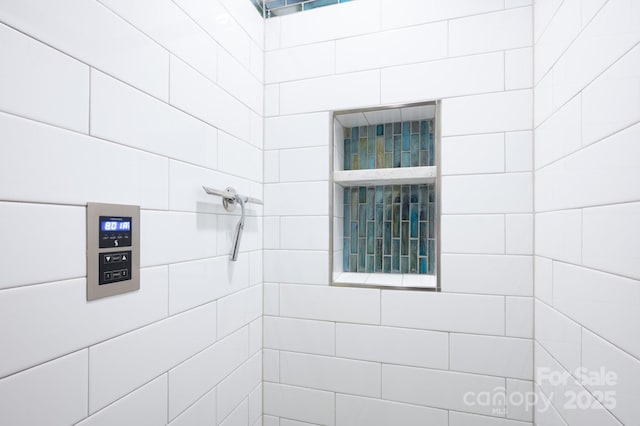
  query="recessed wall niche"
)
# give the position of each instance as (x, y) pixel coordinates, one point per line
(386, 197)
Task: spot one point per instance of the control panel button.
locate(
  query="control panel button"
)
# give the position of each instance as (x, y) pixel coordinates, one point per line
(114, 267)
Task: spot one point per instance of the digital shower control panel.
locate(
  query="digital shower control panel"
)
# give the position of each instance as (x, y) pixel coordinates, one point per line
(113, 252)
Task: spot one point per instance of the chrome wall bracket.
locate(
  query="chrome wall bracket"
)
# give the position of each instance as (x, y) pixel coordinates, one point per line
(230, 199)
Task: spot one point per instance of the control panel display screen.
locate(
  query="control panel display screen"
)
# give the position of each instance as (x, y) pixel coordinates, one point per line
(115, 225)
(115, 231)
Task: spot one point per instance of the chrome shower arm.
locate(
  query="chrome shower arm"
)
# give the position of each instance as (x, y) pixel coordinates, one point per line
(231, 195)
(220, 193)
(230, 198)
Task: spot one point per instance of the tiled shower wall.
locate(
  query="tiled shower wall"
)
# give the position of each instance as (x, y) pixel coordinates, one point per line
(135, 103)
(587, 199)
(347, 356)
(389, 229)
(390, 145)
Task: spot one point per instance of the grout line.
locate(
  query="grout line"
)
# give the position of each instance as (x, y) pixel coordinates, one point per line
(557, 311)
(590, 268)
(571, 374)
(581, 345)
(532, 167)
(391, 327)
(504, 70)
(561, 54)
(449, 350)
(585, 207)
(138, 88)
(505, 316)
(381, 379)
(588, 83)
(89, 118)
(379, 86)
(506, 251)
(544, 30)
(154, 266)
(506, 399)
(120, 398)
(380, 298)
(168, 184)
(219, 45)
(553, 262)
(138, 328)
(157, 210)
(583, 147)
(139, 149)
(278, 352)
(169, 79)
(404, 402)
(582, 236)
(407, 63)
(504, 155)
(395, 28)
(168, 400)
(580, 105)
(392, 105)
(88, 382)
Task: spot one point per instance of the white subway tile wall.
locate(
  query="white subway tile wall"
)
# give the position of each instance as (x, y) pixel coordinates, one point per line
(587, 104)
(132, 103)
(176, 94)
(361, 356)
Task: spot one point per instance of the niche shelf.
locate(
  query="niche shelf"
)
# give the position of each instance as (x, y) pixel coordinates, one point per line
(385, 196)
(388, 176)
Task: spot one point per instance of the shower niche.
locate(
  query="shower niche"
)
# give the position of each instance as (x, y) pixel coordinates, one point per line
(385, 195)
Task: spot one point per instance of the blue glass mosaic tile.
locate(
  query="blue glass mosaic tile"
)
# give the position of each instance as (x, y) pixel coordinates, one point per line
(406, 141)
(395, 255)
(405, 144)
(271, 8)
(272, 4)
(319, 3)
(423, 265)
(397, 150)
(404, 264)
(390, 229)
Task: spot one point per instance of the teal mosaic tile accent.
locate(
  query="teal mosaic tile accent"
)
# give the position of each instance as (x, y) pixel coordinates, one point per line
(319, 3)
(390, 229)
(271, 8)
(405, 144)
